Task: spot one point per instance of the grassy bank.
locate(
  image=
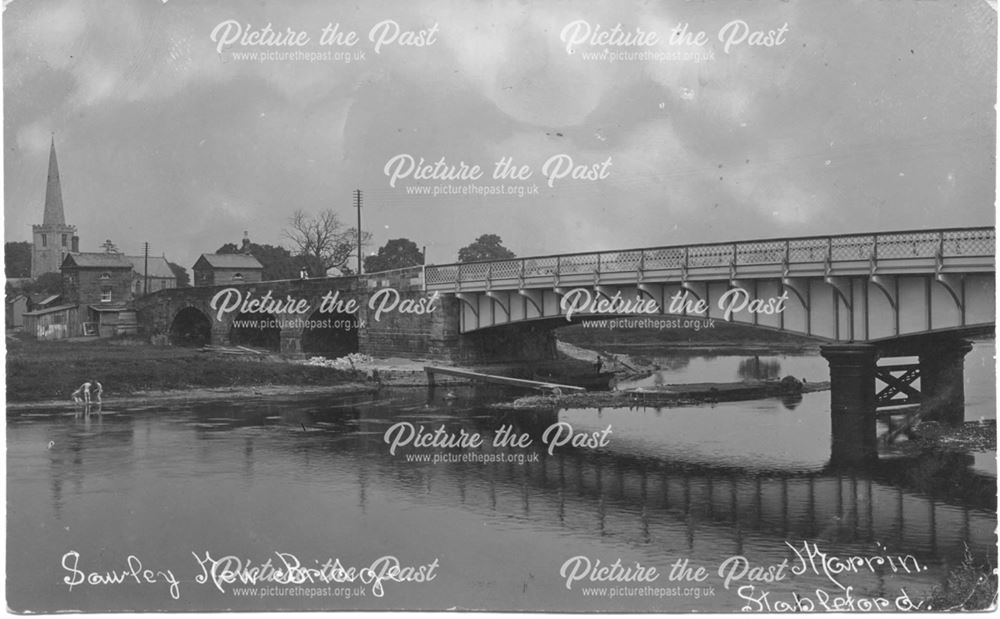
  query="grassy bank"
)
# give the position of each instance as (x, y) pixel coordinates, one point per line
(52, 370)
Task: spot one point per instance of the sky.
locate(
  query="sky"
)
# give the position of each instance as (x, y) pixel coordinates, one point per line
(173, 126)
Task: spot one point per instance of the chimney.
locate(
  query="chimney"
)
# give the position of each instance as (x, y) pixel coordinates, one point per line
(246, 242)
(75, 244)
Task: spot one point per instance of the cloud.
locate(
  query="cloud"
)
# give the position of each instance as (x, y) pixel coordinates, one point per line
(515, 59)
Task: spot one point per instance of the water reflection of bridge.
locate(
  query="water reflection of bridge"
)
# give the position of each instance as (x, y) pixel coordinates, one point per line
(928, 506)
(931, 505)
(637, 494)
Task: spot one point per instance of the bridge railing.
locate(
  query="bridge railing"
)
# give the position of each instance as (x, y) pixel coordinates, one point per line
(955, 242)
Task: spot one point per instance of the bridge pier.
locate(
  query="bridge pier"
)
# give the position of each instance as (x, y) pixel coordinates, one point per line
(291, 340)
(220, 333)
(942, 380)
(852, 402)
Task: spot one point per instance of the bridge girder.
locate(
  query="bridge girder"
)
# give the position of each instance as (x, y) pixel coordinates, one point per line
(840, 308)
(854, 287)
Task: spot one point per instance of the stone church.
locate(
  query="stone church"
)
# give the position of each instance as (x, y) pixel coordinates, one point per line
(98, 287)
(53, 239)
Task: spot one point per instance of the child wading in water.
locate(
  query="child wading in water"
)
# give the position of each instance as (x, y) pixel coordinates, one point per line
(82, 394)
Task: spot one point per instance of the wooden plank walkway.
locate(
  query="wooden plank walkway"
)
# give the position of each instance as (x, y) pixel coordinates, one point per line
(498, 380)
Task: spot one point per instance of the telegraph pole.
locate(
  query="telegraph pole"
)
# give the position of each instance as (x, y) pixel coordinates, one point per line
(357, 205)
(145, 269)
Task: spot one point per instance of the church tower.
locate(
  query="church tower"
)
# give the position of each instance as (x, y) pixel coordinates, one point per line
(53, 239)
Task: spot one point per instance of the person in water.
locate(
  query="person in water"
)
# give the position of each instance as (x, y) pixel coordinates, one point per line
(98, 390)
(82, 394)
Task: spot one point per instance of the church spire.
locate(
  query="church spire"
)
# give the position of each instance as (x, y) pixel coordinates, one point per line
(54, 215)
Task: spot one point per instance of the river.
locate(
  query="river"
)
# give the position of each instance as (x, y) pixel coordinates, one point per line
(306, 482)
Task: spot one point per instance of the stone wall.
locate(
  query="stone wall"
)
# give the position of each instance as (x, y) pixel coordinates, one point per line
(415, 334)
(436, 337)
(431, 335)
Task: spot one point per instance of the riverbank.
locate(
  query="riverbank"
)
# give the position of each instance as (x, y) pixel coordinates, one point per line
(51, 371)
(44, 374)
(227, 394)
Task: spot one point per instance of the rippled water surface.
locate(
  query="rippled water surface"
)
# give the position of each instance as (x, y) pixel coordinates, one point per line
(313, 479)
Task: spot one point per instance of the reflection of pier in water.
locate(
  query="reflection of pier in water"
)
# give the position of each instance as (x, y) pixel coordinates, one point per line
(841, 508)
(928, 505)
(900, 503)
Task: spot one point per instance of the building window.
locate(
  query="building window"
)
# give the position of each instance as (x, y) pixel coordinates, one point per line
(105, 295)
(64, 240)
(45, 240)
(238, 277)
(105, 275)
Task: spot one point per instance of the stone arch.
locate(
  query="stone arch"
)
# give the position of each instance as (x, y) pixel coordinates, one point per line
(330, 335)
(190, 327)
(256, 330)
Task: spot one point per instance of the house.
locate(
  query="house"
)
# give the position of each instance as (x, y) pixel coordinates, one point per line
(161, 276)
(99, 286)
(222, 269)
(97, 277)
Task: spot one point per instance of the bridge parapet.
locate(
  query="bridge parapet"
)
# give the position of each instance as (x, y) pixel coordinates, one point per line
(964, 249)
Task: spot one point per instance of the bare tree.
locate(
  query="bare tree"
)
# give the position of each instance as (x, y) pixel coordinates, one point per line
(323, 241)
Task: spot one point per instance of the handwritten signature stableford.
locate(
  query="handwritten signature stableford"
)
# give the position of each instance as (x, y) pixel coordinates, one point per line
(281, 569)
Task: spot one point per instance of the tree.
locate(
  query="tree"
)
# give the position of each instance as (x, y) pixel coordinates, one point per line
(183, 279)
(323, 241)
(396, 254)
(17, 259)
(486, 247)
(46, 283)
